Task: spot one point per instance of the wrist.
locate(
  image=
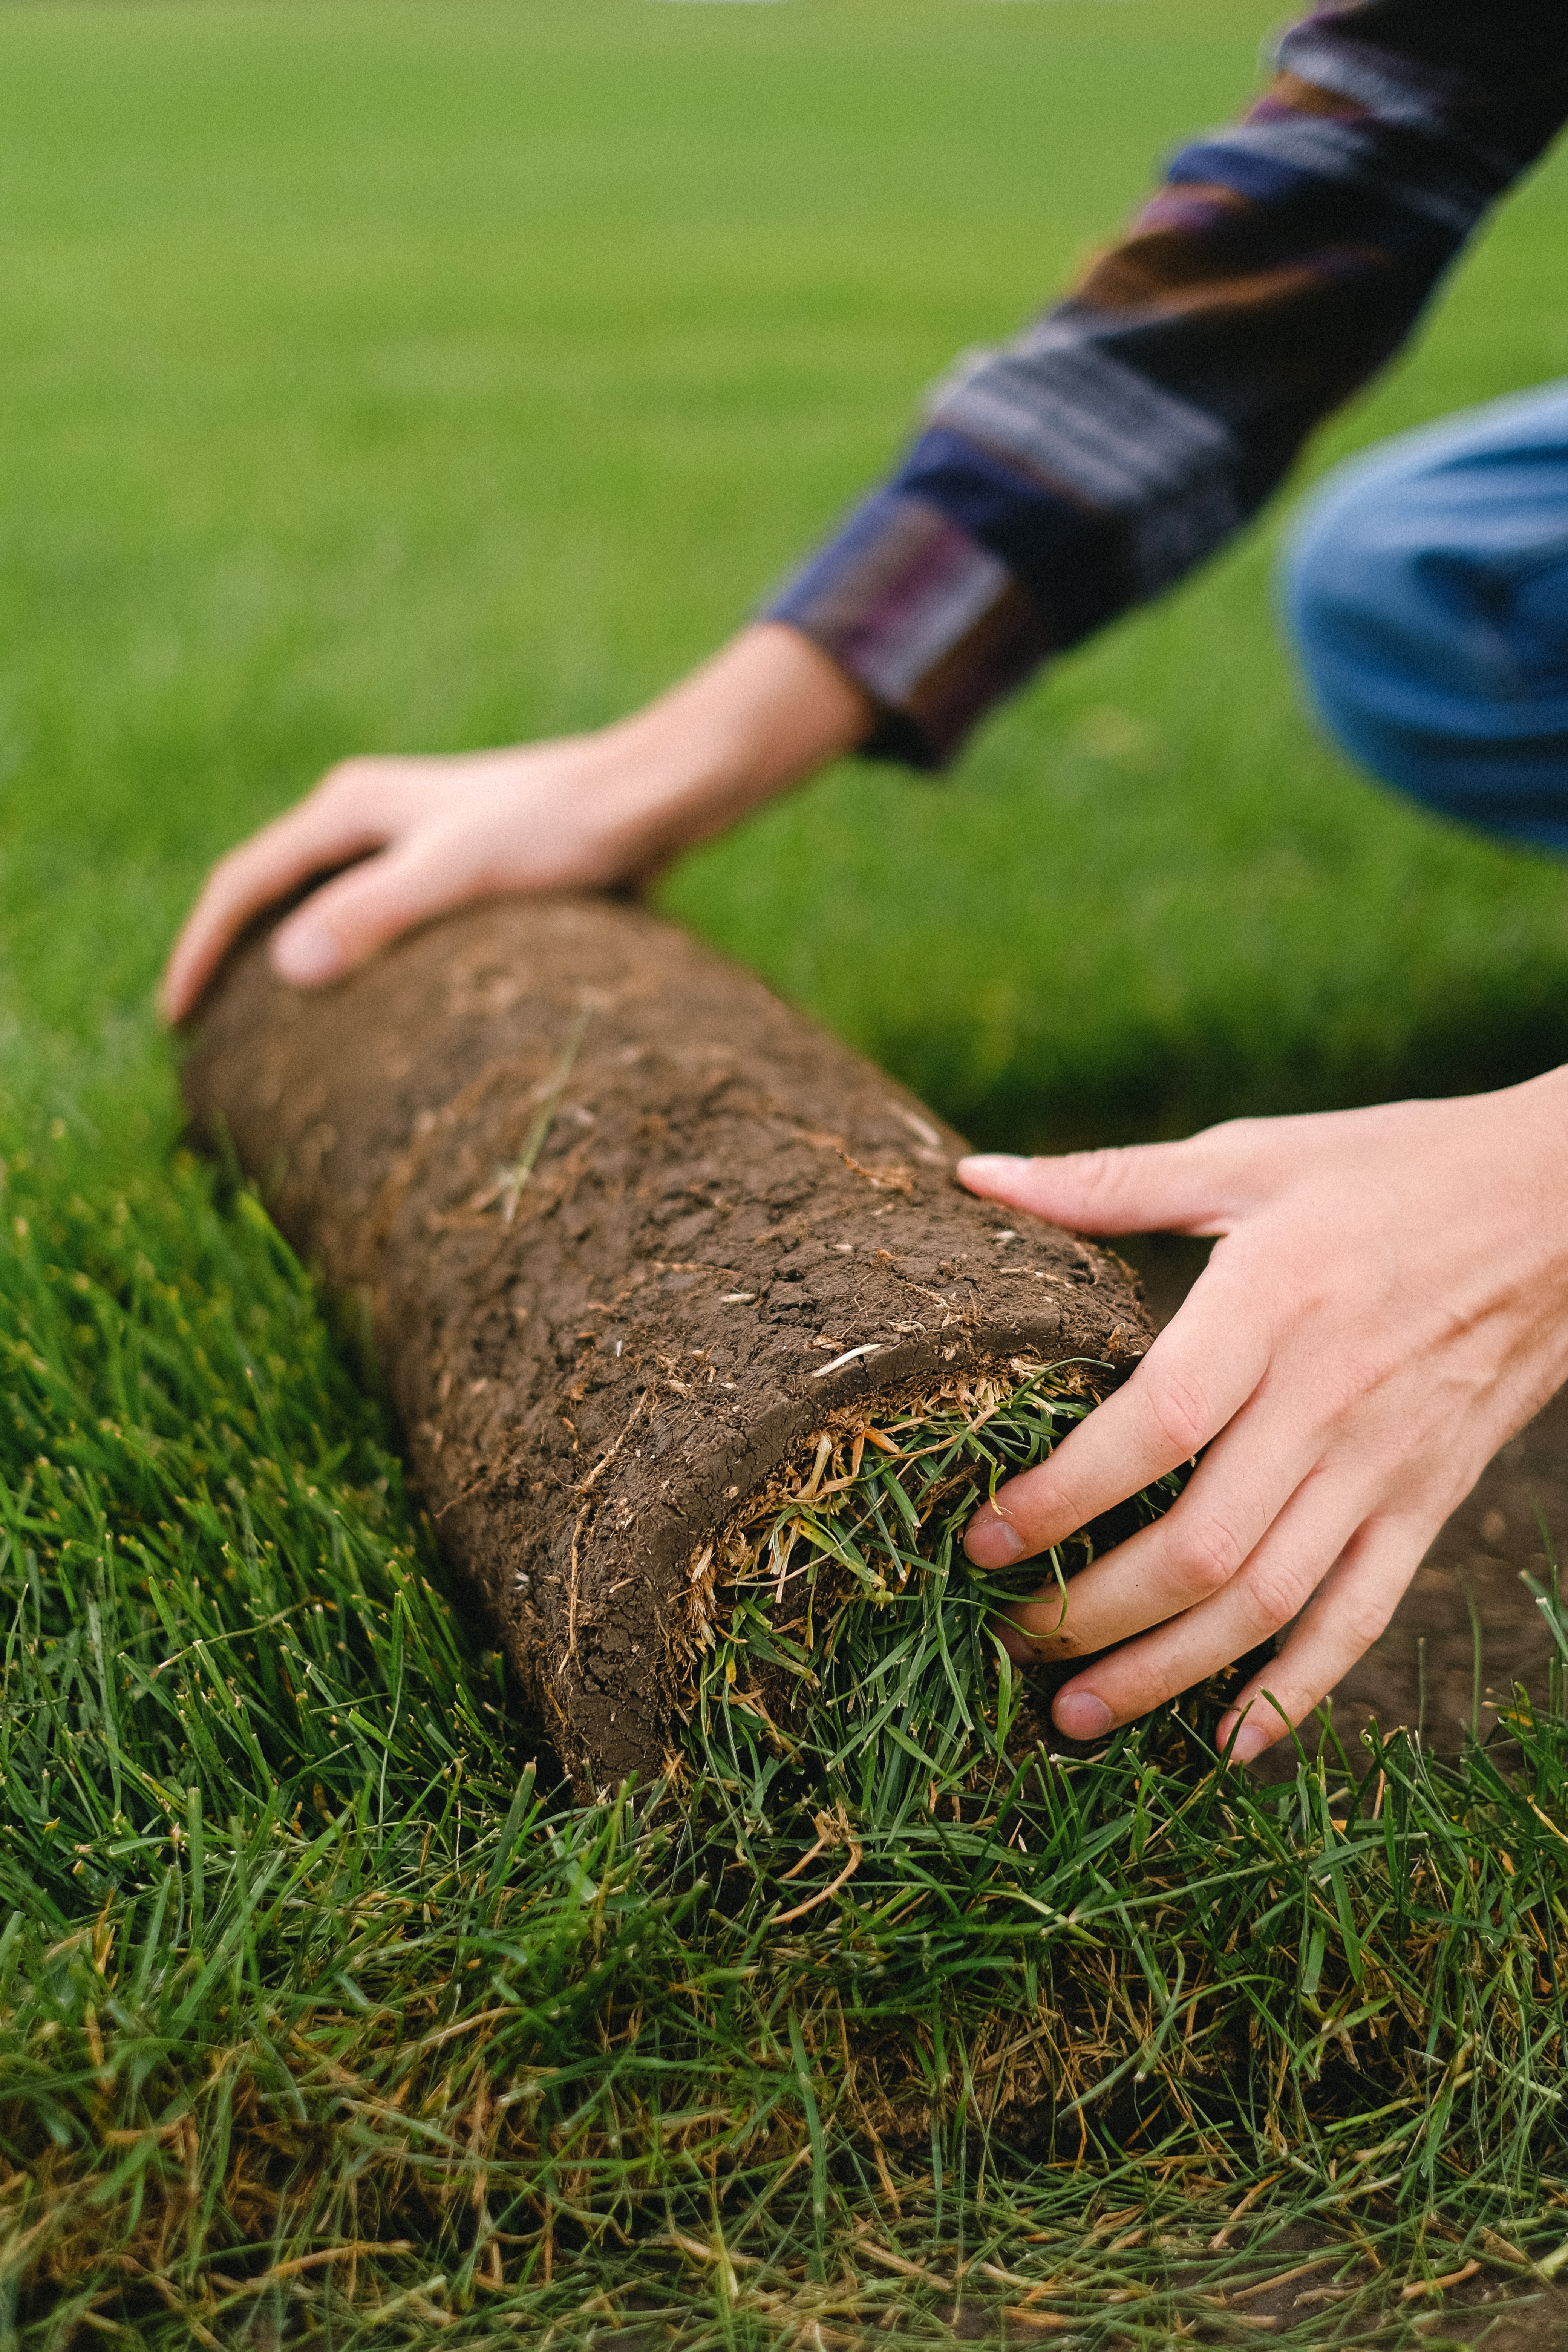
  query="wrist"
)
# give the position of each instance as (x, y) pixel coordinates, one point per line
(768, 711)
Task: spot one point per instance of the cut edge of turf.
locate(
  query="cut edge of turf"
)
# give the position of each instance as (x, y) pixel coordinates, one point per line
(835, 1609)
(899, 1425)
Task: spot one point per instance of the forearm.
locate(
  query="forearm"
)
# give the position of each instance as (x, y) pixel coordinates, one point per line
(765, 712)
(1128, 433)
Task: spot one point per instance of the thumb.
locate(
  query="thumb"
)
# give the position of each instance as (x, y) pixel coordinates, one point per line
(1145, 1187)
(357, 912)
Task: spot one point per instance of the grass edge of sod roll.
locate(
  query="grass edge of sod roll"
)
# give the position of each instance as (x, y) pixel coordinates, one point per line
(312, 2004)
(845, 1665)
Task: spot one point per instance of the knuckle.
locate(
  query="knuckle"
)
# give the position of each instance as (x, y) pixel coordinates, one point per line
(1207, 1555)
(1273, 1594)
(1242, 1134)
(1060, 1508)
(343, 781)
(1179, 1410)
(1099, 1174)
(1362, 1619)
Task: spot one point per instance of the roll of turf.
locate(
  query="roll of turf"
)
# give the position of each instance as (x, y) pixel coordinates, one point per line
(648, 1257)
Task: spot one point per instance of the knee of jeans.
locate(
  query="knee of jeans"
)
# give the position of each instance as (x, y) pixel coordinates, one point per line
(1393, 696)
(1328, 599)
(1337, 583)
(1389, 623)
(1368, 633)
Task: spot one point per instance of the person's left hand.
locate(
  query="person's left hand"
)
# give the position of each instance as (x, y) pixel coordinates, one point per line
(1388, 1305)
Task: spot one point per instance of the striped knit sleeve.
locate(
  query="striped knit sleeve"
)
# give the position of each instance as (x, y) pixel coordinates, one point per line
(1127, 432)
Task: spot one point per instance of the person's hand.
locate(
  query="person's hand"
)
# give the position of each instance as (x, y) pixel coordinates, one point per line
(1388, 1305)
(588, 812)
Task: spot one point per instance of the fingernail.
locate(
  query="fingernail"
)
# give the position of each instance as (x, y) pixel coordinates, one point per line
(992, 1541)
(305, 954)
(1080, 1714)
(1248, 1744)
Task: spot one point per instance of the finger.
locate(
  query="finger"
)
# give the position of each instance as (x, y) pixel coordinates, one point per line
(1245, 1481)
(321, 832)
(350, 917)
(1345, 1616)
(1315, 1531)
(1192, 1187)
(1199, 1373)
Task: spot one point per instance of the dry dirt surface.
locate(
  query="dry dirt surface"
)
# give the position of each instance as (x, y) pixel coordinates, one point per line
(1422, 1671)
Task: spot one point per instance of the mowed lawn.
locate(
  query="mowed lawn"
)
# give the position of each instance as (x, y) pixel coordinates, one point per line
(391, 376)
(419, 377)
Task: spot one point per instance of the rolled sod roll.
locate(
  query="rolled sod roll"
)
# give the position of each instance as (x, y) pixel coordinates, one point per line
(634, 1234)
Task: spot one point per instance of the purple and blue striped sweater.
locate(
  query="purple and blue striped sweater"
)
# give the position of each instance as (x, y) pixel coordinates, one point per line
(1133, 428)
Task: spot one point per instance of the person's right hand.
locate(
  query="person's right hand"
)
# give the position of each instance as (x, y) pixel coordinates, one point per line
(423, 834)
(587, 811)
(1387, 1304)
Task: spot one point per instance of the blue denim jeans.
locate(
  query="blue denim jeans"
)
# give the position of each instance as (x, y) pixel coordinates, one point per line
(1426, 591)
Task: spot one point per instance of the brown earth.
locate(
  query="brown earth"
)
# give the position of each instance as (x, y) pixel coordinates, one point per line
(596, 1360)
(630, 1231)
(1422, 1671)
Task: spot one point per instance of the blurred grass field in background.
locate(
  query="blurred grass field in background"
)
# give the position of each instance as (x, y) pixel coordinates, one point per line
(418, 377)
(389, 377)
